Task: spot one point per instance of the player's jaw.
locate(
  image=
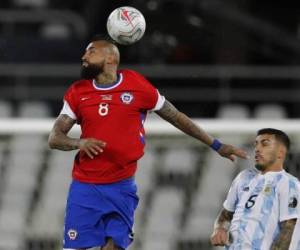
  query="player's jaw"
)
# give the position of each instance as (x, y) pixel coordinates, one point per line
(264, 162)
(90, 71)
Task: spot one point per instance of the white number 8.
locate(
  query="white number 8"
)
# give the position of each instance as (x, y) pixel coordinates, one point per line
(103, 109)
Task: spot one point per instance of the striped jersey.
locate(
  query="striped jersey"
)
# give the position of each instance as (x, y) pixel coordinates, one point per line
(260, 202)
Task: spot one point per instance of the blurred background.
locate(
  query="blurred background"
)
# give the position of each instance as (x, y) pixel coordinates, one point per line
(219, 60)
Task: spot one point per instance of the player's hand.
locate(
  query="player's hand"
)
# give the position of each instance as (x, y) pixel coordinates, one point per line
(219, 237)
(231, 152)
(92, 147)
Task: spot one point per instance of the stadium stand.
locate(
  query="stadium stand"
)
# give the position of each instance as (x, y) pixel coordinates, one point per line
(166, 204)
(213, 183)
(270, 111)
(52, 198)
(251, 72)
(6, 109)
(178, 181)
(20, 179)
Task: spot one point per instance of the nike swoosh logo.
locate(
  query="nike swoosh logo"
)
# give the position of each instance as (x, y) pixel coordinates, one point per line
(84, 98)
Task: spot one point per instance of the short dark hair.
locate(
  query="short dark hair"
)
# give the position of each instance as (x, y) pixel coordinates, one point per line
(279, 136)
(102, 37)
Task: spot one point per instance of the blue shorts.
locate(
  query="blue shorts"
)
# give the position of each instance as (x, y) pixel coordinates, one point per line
(95, 212)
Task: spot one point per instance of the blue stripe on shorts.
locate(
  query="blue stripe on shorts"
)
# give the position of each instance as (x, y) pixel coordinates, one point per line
(95, 212)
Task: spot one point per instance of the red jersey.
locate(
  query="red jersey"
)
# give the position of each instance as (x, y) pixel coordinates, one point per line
(114, 114)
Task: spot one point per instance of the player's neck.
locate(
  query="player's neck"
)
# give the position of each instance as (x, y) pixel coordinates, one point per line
(105, 79)
(273, 168)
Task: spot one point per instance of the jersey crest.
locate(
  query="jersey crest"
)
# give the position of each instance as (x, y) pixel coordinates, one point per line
(126, 97)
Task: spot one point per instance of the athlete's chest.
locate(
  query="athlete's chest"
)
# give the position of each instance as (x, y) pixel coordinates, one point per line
(259, 194)
(104, 104)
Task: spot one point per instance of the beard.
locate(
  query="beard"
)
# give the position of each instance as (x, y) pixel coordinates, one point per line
(260, 167)
(90, 72)
(266, 164)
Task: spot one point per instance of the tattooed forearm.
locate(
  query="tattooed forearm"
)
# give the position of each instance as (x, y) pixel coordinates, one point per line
(223, 220)
(182, 122)
(58, 138)
(283, 240)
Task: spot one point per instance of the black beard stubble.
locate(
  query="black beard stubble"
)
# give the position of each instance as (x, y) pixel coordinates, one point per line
(90, 72)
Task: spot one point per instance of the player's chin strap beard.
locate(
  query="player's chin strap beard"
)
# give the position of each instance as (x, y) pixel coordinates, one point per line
(260, 167)
(90, 72)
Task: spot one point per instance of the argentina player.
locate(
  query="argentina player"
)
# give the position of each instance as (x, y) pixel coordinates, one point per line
(262, 205)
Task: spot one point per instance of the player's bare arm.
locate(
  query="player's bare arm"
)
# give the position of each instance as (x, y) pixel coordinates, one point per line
(58, 138)
(283, 240)
(220, 235)
(169, 113)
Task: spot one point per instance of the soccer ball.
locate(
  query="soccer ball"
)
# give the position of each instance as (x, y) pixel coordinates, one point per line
(126, 25)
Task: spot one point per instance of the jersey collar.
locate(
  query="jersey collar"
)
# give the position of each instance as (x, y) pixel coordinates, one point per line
(110, 86)
(272, 173)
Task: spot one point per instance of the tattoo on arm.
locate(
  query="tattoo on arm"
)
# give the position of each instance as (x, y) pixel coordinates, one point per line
(169, 113)
(223, 220)
(58, 138)
(282, 242)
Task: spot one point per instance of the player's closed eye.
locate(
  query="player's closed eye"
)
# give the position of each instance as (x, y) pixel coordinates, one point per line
(90, 52)
(265, 143)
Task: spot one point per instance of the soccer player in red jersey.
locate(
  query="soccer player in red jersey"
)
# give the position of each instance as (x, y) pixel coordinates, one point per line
(111, 105)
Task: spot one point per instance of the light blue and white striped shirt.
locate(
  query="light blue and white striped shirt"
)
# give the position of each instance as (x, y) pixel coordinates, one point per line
(260, 202)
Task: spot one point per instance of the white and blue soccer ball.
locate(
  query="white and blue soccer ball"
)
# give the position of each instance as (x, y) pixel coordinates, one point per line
(126, 25)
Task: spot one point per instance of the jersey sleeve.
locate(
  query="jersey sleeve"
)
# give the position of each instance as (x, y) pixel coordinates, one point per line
(151, 99)
(160, 100)
(70, 106)
(289, 194)
(66, 110)
(232, 195)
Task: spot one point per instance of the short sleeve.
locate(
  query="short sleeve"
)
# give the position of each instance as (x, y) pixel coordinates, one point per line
(232, 196)
(289, 192)
(150, 98)
(66, 110)
(159, 103)
(70, 107)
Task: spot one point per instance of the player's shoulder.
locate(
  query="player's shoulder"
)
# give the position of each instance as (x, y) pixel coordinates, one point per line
(130, 73)
(245, 176)
(133, 75)
(137, 79)
(289, 178)
(248, 173)
(79, 85)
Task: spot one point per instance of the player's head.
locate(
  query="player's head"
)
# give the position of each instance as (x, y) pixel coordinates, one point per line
(101, 55)
(271, 147)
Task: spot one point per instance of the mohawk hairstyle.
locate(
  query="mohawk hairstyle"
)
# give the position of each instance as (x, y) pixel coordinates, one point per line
(279, 135)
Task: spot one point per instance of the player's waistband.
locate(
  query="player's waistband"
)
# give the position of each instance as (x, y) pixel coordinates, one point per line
(124, 181)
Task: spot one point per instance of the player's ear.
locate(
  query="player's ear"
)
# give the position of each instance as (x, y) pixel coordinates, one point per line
(282, 152)
(109, 59)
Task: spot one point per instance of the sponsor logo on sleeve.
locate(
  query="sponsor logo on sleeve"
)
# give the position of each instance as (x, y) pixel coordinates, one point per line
(293, 202)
